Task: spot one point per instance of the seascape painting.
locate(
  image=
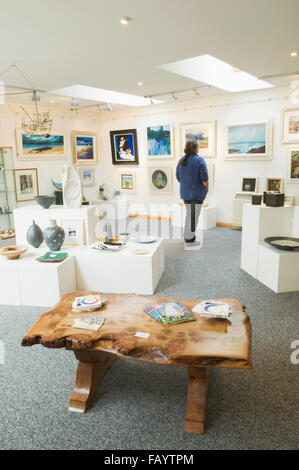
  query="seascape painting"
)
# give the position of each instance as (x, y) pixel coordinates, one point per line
(84, 147)
(159, 141)
(290, 125)
(41, 146)
(249, 141)
(160, 180)
(204, 133)
(124, 147)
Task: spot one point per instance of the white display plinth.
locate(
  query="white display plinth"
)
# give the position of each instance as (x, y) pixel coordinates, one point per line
(26, 281)
(115, 209)
(121, 272)
(23, 217)
(278, 269)
(260, 222)
(295, 233)
(207, 218)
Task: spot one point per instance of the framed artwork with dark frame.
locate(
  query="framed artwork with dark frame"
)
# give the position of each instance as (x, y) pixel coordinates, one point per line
(249, 184)
(124, 147)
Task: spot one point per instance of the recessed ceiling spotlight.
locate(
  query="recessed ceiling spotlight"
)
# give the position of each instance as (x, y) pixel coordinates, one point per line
(125, 19)
(294, 54)
(52, 101)
(140, 83)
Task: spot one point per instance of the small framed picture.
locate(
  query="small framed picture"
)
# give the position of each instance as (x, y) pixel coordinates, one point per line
(124, 147)
(87, 176)
(74, 232)
(274, 184)
(249, 184)
(84, 148)
(128, 182)
(160, 179)
(290, 126)
(160, 142)
(26, 183)
(293, 166)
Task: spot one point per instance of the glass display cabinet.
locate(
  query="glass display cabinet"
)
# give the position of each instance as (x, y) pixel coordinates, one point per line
(8, 200)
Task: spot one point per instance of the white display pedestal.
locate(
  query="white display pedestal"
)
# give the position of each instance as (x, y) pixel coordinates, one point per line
(23, 217)
(239, 201)
(295, 233)
(121, 272)
(278, 269)
(26, 281)
(207, 218)
(115, 212)
(260, 222)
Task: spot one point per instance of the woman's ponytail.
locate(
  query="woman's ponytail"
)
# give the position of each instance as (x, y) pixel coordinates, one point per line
(191, 148)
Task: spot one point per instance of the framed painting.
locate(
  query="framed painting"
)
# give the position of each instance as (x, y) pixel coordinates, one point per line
(249, 141)
(41, 146)
(84, 148)
(128, 182)
(290, 126)
(249, 184)
(74, 232)
(160, 141)
(26, 183)
(87, 176)
(204, 133)
(274, 184)
(293, 166)
(160, 179)
(124, 147)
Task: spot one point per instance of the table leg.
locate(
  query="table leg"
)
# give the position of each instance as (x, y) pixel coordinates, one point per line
(92, 367)
(197, 399)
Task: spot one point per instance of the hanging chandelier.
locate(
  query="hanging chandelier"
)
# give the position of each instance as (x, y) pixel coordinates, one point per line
(38, 122)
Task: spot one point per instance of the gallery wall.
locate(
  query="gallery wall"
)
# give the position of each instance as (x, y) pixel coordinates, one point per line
(254, 106)
(223, 109)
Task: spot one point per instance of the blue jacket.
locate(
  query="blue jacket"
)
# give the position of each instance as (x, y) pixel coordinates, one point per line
(191, 177)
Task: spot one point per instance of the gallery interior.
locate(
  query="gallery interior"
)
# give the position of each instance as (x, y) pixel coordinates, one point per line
(113, 336)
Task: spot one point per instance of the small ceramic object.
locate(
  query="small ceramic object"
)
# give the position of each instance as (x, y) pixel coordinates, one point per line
(72, 189)
(35, 235)
(45, 201)
(13, 251)
(54, 236)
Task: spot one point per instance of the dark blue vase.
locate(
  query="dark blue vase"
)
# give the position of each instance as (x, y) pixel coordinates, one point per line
(54, 236)
(35, 235)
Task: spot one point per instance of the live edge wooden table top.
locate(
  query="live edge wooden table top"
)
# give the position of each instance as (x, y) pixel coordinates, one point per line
(199, 345)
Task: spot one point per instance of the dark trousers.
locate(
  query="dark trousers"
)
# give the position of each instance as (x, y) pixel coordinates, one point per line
(193, 209)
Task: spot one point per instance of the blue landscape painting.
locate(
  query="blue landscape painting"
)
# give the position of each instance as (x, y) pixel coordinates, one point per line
(159, 140)
(84, 148)
(43, 144)
(249, 138)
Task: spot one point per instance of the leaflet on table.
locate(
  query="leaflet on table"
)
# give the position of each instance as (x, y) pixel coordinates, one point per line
(213, 309)
(88, 303)
(169, 313)
(93, 323)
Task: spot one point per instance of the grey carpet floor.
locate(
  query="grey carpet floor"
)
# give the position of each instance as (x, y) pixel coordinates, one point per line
(142, 406)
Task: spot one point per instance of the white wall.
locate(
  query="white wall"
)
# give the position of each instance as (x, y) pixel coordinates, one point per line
(227, 175)
(227, 108)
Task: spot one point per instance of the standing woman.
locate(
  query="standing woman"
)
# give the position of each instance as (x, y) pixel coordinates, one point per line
(192, 174)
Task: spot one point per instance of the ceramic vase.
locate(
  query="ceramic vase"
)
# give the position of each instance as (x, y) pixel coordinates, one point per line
(35, 235)
(54, 236)
(71, 186)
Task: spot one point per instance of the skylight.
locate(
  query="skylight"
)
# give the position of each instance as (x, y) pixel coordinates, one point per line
(100, 95)
(215, 72)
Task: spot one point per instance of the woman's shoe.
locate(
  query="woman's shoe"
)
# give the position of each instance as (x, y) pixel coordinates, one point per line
(192, 246)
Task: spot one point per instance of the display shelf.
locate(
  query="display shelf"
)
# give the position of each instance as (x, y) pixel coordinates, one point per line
(7, 192)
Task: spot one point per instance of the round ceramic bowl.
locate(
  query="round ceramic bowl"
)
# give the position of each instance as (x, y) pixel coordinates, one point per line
(45, 201)
(13, 251)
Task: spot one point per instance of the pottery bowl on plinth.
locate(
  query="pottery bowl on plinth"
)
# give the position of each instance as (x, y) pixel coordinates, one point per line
(13, 251)
(45, 201)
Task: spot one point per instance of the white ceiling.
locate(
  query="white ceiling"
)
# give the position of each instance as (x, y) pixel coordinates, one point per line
(58, 43)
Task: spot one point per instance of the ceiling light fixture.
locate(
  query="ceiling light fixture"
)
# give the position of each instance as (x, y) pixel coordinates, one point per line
(215, 72)
(174, 97)
(140, 83)
(294, 54)
(100, 95)
(196, 92)
(125, 20)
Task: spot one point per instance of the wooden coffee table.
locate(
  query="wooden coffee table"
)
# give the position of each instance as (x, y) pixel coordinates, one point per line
(198, 345)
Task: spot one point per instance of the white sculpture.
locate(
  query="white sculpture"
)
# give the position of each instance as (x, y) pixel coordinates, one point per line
(71, 187)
